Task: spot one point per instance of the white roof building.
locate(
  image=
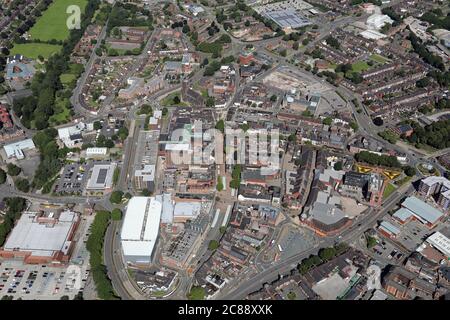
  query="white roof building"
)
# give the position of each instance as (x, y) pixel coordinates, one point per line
(95, 152)
(43, 237)
(440, 242)
(16, 149)
(70, 136)
(377, 21)
(101, 177)
(140, 229)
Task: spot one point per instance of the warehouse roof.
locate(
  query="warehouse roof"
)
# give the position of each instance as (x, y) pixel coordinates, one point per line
(422, 210)
(141, 226)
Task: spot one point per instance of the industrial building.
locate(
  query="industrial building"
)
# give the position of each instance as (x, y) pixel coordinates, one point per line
(16, 149)
(440, 242)
(140, 229)
(414, 208)
(287, 19)
(42, 238)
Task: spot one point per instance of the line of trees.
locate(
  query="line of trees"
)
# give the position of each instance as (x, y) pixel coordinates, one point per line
(15, 207)
(94, 245)
(37, 109)
(377, 160)
(324, 255)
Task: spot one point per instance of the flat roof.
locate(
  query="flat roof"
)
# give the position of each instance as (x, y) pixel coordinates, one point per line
(187, 209)
(422, 210)
(141, 226)
(15, 149)
(102, 176)
(440, 242)
(287, 18)
(389, 227)
(402, 214)
(326, 213)
(42, 239)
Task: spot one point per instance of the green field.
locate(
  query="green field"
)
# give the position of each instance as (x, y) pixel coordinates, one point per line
(169, 100)
(388, 190)
(62, 112)
(360, 66)
(52, 23)
(33, 50)
(67, 78)
(379, 59)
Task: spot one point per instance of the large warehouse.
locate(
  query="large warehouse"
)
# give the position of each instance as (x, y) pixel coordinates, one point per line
(140, 229)
(41, 238)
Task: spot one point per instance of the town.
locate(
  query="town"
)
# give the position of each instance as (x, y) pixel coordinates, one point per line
(225, 150)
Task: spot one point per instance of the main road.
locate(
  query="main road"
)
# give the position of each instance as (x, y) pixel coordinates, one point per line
(240, 288)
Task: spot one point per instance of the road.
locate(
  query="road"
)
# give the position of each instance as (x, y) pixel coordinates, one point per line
(282, 267)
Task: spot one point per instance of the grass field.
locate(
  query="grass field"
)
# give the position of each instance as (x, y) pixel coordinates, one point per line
(33, 50)
(388, 190)
(67, 78)
(169, 100)
(360, 66)
(62, 112)
(379, 59)
(52, 23)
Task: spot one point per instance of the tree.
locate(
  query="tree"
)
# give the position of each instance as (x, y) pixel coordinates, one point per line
(295, 45)
(213, 245)
(371, 242)
(222, 229)
(354, 125)
(219, 185)
(116, 197)
(116, 214)
(378, 121)
(409, 171)
(327, 254)
(338, 166)
(22, 185)
(273, 98)
(2, 176)
(97, 125)
(220, 125)
(327, 121)
(165, 111)
(146, 193)
(186, 29)
(13, 170)
(65, 297)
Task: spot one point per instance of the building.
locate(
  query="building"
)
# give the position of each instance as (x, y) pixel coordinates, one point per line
(5, 118)
(96, 152)
(16, 149)
(414, 208)
(101, 178)
(72, 136)
(140, 229)
(287, 19)
(42, 238)
(145, 178)
(432, 186)
(440, 242)
(327, 219)
(377, 21)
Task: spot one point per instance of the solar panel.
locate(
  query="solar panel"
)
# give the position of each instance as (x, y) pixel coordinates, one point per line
(101, 178)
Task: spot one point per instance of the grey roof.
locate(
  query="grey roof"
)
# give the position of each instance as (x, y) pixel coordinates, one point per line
(422, 210)
(326, 213)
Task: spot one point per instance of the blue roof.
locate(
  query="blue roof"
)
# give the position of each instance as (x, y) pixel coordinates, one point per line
(422, 210)
(402, 214)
